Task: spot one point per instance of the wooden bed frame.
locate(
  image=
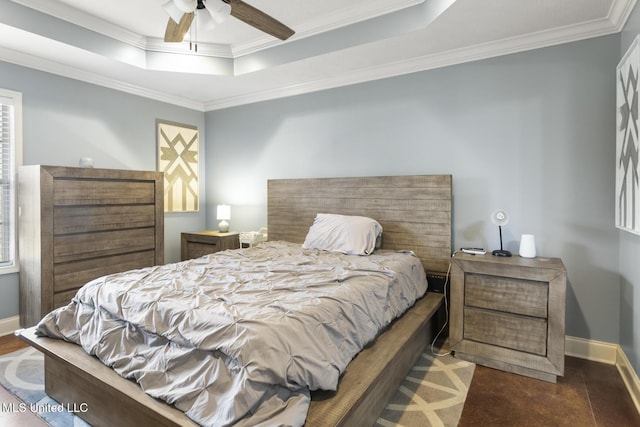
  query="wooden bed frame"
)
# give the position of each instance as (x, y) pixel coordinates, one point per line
(415, 213)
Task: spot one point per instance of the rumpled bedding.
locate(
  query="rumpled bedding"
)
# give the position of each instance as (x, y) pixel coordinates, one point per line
(241, 337)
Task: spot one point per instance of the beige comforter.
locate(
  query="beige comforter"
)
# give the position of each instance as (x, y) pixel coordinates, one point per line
(240, 337)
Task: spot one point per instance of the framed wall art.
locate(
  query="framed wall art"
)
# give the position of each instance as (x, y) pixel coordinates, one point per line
(178, 157)
(627, 180)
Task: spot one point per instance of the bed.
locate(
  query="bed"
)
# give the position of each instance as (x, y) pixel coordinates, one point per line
(415, 213)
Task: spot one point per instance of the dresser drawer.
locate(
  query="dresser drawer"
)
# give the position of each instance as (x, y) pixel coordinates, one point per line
(87, 219)
(75, 247)
(72, 275)
(527, 297)
(68, 192)
(516, 332)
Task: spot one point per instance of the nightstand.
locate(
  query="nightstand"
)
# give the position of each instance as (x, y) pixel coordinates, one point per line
(194, 245)
(509, 313)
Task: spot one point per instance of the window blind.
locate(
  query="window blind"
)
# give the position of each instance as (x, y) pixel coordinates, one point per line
(7, 146)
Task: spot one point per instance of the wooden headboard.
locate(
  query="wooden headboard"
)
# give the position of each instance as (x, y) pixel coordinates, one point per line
(414, 210)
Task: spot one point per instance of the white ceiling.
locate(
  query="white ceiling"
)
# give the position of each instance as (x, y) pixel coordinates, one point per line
(118, 43)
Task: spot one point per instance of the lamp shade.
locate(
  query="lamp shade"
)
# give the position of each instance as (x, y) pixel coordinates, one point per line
(224, 212)
(219, 11)
(186, 6)
(173, 11)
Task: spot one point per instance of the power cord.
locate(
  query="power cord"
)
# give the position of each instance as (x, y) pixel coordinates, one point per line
(446, 320)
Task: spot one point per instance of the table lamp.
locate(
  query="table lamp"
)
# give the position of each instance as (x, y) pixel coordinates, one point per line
(224, 213)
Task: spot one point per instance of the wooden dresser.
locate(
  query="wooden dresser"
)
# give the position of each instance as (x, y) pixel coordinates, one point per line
(194, 245)
(509, 313)
(77, 224)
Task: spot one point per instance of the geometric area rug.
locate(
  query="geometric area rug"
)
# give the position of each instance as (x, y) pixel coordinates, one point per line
(432, 394)
(22, 374)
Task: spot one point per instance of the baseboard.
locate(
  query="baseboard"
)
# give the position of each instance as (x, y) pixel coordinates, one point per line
(611, 354)
(629, 376)
(9, 325)
(596, 351)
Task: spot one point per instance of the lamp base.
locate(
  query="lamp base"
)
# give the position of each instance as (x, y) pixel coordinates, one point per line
(500, 252)
(223, 226)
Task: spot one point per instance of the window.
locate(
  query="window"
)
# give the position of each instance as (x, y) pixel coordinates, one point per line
(10, 158)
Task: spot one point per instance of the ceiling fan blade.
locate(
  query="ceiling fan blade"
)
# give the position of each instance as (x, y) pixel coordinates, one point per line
(258, 19)
(175, 32)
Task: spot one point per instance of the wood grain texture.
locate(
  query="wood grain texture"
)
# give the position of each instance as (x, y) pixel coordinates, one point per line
(87, 219)
(526, 297)
(9, 344)
(506, 330)
(175, 31)
(509, 313)
(194, 245)
(376, 372)
(102, 191)
(414, 210)
(260, 20)
(67, 275)
(77, 224)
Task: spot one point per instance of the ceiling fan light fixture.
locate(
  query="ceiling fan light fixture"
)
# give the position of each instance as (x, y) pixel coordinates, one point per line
(218, 10)
(173, 11)
(205, 21)
(186, 6)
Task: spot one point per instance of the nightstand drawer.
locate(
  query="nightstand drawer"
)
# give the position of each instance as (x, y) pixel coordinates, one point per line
(517, 332)
(518, 296)
(197, 249)
(195, 245)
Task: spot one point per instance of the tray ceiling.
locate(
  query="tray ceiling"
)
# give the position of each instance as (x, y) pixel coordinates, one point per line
(118, 43)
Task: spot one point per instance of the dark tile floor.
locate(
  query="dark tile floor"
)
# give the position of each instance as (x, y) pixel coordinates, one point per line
(589, 394)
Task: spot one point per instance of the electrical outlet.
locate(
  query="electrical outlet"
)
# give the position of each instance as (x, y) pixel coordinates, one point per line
(436, 281)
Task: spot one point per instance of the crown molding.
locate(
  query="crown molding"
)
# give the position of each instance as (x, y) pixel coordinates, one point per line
(77, 17)
(613, 23)
(477, 52)
(45, 65)
(424, 63)
(619, 13)
(344, 17)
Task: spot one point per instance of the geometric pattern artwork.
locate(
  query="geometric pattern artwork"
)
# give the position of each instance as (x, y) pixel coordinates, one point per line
(432, 394)
(178, 159)
(627, 169)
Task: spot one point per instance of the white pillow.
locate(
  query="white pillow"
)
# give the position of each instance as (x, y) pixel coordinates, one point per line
(352, 235)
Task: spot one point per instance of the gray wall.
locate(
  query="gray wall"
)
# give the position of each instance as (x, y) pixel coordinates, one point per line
(65, 120)
(630, 251)
(532, 133)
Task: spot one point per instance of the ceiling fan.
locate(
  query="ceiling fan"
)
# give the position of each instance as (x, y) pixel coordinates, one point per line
(182, 13)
